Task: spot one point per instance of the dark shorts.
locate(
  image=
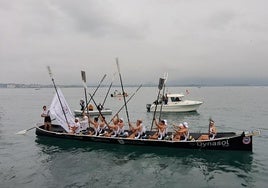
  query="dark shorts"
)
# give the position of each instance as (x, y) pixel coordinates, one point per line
(47, 119)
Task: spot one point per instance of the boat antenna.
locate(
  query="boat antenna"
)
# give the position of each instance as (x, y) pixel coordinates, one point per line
(163, 94)
(51, 76)
(160, 86)
(83, 75)
(123, 92)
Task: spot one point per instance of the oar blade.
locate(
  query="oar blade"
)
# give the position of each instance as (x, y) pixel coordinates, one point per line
(21, 132)
(161, 83)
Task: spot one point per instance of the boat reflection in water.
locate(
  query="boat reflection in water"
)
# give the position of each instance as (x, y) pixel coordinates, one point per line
(106, 164)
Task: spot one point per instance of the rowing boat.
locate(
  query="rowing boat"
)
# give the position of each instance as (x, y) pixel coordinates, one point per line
(223, 140)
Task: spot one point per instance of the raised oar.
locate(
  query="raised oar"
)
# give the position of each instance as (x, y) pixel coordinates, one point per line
(163, 94)
(160, 86)
(123, 92)
(108, 90)
(98, 109)
(94, 92)
(126, 102)
(83, 75)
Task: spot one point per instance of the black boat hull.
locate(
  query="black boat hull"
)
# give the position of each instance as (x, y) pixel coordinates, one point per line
(226, 141)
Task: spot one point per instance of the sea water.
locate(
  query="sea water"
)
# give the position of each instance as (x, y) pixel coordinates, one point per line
(31, 161)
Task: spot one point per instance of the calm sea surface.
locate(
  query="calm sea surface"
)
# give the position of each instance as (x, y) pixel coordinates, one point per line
(30, 161)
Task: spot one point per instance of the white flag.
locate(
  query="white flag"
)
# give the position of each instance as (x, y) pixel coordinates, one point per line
(56, 111)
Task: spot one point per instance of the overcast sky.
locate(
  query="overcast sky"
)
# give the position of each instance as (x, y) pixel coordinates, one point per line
(192, 40)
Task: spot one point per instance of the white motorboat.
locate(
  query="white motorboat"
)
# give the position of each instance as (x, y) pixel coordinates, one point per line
(105, 111)
(174, 103)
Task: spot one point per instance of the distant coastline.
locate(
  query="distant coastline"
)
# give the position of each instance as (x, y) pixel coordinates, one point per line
(38, 86)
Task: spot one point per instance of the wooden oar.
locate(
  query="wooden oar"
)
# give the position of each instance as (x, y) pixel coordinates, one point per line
(98, 109)
(123, 92)
(160, 86)
(25, 130)
(108, 90)
(163, 94)
(83, 75)
(124, 104)
(87, 103)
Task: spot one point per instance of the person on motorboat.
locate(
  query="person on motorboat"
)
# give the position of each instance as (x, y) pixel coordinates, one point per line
(82, 104)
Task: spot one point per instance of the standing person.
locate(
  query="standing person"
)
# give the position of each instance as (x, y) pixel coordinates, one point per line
(47, 119)
(82, 104)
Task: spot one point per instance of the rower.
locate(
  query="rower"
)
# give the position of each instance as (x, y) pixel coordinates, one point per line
(96, 126)
(138, 130)
(182, 131)
(162, 130)
(212, 132)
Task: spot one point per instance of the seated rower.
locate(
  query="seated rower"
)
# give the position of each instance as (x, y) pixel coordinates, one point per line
(181, 132)
(121, 125)
(212, 132)
(137, 131)
(96, 126)
(103, 125)
(84, 124)
(113, 129)
(75, 128)
(162, 130)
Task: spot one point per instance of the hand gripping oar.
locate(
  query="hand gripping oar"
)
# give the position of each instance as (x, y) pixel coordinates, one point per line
(123, 92)
(126, 103)
(160, 86)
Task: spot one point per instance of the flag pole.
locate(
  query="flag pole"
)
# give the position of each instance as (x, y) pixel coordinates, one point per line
(51, 76)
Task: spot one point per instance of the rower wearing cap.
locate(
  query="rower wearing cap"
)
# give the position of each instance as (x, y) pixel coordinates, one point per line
(181, 131)
(75, 128)
(121, 127)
